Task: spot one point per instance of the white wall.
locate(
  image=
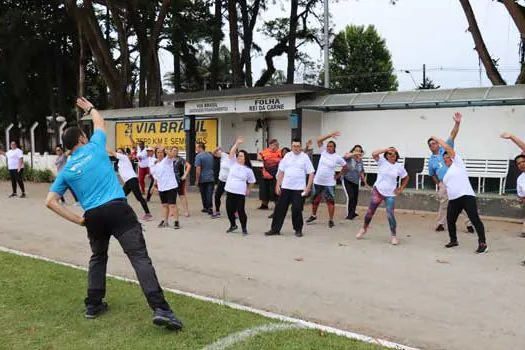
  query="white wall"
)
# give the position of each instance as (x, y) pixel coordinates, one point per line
(408, 130)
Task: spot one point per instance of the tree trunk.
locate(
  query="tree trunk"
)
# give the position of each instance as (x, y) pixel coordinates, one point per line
(234, 43)
(81, 69)
(517, 12)
(292, 48)
(492, 72)
(275, 51)
(176, 71)
(216, 44)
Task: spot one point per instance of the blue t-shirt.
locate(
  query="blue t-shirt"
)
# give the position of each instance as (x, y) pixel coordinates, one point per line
(90, 175)
(436, 163)
(205, 161)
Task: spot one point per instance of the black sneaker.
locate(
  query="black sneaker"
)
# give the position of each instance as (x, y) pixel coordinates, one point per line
(166, 318)
(482, 248)
(272, 233)
(23, 195)
(263, 207)
(12, 195)
(298, 234)
(244, 232)
(451, 244)
(331, 224)
(440, 228)
(93, 311)
(232, 229)
(470, 229)
(162, 224)
(270, 216)
(311, 219)
(210, 212)
(204, 210)
(176, 226)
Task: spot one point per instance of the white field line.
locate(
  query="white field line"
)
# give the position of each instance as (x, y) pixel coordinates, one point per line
(241, 336)
(236, 306)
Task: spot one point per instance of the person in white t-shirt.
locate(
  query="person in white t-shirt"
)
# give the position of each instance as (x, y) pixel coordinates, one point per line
(15, 165)
(325, 178)
(150, 151)
(384, 189)
(131, 182)
(167, 185)
(461, 197)
(291, 187)
(238, 184)
(143, 162)
(519, 161)
(223, 176)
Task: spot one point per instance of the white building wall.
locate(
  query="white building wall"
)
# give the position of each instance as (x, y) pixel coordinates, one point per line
(409, 129)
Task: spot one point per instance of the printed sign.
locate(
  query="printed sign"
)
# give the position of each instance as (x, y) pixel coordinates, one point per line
(265, 104)
(209, 107)
(168, 133)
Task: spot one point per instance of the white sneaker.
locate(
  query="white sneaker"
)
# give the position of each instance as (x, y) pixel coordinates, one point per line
(395, 241)
(360, 233)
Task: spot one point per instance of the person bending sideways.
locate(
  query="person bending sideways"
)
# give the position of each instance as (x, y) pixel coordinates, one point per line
(89, 173)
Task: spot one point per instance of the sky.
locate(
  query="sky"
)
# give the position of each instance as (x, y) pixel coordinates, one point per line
(417, 32)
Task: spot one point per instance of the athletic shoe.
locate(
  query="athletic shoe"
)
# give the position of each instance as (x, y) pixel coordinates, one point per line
(176, 226)
(93, 311)
(440, 228)
(147, 217)
(244, 232)
(395, 241)
(360, 233)
(351, 217)
(270, 216)
(232, 229)
(210, 212)
(263, 207)
(331, 224)
(470, 229)
(298, 234)
(482, 248)
(311, 219)
(23, 195)
(216, 215)
(162, 224)
(451, 244)
(204, 210)
(12, 195)
(272, 233)
(166, 318)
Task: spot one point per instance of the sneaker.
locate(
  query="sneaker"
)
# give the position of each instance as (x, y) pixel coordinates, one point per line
(298, 234)
(232, 229)
(244, 232)
(360, 233)
(176, 226)
(440, 228)
(166, 318)
(311, 219)
(216, 215)
(351, 217)
(451, 244)
(272, 233)
(331, 224)
(12, 195)
(204, 210)
(270, 216)
(395, 241)
(470, 229)
(23, 195)
(210, 212)
(93, 311)
(147, 217)
(263, 207)
(162, 224)
(482, 248)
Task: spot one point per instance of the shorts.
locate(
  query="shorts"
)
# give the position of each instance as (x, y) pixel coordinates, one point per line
(267, 190)
(169, 196)
(181, 190)
(328, 191)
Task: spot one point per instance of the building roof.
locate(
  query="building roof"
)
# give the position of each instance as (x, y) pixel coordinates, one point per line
(243, 92)
(496, 95)
(140, 113)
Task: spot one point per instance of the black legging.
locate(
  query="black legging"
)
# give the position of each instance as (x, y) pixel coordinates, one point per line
(455, 207)
(352, 194)
(151, 183)
(132, 185)
(17, 177)
(236, 203)
(218, 194)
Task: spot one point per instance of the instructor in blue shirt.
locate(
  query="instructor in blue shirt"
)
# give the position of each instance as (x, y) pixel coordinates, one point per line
(437, 170)
(90, 175)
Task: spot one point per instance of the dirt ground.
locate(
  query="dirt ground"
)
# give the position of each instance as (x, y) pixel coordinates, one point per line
(417, 293)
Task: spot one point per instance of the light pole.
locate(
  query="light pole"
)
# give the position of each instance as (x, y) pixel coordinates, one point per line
(326, 46)
(411, 77)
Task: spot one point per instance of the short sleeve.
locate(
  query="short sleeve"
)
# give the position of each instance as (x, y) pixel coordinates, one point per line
(401, 171)
(20, 154)
(99, 138)
(198, 161)
(283, 164)
(381, 160)
(458, 160)
(120, 156)
(309, 166)
(450, 142)
(340, 161)
(431, 170)
(251, 176)
(322, 149)
(359, 167)
(59, 186)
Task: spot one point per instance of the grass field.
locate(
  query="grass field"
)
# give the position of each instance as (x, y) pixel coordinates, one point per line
(41, 307)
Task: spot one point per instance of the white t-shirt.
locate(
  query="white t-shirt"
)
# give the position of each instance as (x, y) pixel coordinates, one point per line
(125, 169)
(142, 156)
(387, 175)
(324, 175)
(456, 180)
(295, 168)
(151, 161)
(521, 185)
(13, 156)
(165, 175)
(238, 177)
(225, 166)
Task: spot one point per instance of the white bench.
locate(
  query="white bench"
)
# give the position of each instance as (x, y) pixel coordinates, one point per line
(488, 169)
(422, 175)
(370, 166)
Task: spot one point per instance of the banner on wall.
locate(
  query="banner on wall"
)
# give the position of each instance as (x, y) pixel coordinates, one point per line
(269, 103)
(168, 133)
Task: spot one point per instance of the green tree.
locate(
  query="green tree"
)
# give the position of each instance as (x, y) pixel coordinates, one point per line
(360, 61)
(428, 84)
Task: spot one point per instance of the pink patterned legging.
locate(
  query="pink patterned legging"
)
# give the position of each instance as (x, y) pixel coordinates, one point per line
(375, 200)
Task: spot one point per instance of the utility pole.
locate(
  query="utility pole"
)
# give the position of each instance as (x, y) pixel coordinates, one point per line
(424, 76)
(326, 46)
